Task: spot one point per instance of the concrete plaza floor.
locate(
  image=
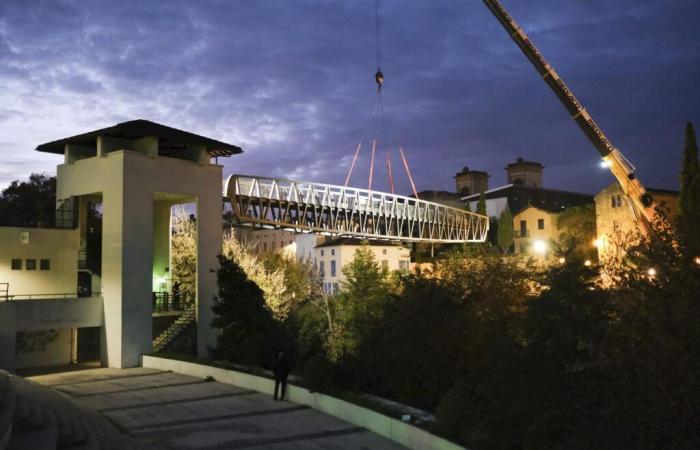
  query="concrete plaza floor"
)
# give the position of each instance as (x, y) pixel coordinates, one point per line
(166, 410)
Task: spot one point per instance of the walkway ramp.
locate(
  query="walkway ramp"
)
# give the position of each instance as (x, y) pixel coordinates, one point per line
(307, 207)
(160, 409)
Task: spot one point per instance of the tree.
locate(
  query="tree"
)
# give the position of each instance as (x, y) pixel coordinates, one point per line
(248, 331)
(504, 233)
(481, 205)
(359, 304)
(270, 280)
(29, 203)
(184, 253)
(577, 230)
(689, 200)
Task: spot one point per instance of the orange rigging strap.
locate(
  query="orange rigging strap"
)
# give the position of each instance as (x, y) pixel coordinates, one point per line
(408, 171)
(371, 166)
(352, 166)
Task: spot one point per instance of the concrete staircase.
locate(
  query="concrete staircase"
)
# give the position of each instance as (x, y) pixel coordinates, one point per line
(37, 418)
(185, 320)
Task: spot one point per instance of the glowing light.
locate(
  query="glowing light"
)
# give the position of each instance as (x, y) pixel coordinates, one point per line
(587, 263)
(539, 246)
(605, 163)
(651, 272)
(562, 260)
(597, 243)
(697, 260)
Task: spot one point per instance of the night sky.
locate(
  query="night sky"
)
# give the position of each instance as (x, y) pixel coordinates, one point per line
(292, 82)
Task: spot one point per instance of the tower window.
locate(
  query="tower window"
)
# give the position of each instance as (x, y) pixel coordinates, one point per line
(540, 224)
(16, 264)
(45, 264)
(31, 264)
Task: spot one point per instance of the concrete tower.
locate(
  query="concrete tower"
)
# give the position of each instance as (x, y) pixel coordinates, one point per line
(470, 182)
(139, 170)
(525, 173)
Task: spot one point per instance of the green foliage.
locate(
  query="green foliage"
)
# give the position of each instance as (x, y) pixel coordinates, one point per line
(578, 230)
(183, 243)
(249, 334)
(505, 233)
(481, 204)
(359, 305)
(29, 203)
(689, 200)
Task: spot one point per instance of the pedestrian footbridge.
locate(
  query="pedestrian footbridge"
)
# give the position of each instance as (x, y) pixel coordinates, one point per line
(345, 211)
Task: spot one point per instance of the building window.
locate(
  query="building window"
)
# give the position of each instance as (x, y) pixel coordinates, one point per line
(335, 288)
(332, 252)
(322, 268)
(16, 264)
(616, 201)
(403, 264)
(45, 264)
(31, 264)
(523, 228)
(333, 268)
(540, 224)
(385, 264)
(321, 252)
(264, 246)
(383, 251)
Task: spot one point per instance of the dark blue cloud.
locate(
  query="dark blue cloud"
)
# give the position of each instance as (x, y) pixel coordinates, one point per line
(292, 82)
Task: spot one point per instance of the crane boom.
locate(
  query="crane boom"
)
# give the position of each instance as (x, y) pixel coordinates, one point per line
(621, 168)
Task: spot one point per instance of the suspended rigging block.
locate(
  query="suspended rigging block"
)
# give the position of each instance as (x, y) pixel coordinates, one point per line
(327, 209)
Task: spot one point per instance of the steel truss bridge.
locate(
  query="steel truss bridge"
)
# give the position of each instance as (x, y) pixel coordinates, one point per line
(306, 207)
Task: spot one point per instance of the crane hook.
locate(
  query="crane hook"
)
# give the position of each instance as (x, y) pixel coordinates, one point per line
(379, 78)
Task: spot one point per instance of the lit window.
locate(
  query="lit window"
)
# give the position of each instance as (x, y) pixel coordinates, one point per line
(45, 264)
(31, 264)
(16, 264)
(540, 224)
(333, 268)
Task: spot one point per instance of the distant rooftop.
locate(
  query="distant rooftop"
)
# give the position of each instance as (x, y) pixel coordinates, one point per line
(357, 242)
(170, 140)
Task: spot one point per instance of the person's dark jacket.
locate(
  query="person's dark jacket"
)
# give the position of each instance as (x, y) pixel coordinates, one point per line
(280, 369)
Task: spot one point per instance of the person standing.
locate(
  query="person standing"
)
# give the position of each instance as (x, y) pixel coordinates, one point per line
(281, 371)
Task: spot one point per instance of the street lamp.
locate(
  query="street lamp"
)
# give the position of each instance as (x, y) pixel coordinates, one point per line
(587, 263)
(539, 246)
(562, 260)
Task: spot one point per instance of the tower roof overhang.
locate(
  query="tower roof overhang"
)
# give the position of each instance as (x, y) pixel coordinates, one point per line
(169, 139)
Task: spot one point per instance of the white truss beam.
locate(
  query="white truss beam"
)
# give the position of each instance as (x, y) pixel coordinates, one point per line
(344, 211)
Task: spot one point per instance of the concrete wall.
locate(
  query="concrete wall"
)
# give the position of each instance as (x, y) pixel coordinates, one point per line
(531, 216)
(56, 352)
(403, 433)
(60, 247)
(41, 315)
(131, 183)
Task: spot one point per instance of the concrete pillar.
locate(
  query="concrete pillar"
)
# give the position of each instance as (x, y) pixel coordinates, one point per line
(127, 263)
(209, 230)
(8, 335)
(147, 145)
(161, 243)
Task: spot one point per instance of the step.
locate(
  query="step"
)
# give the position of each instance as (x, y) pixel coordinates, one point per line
(40, 438)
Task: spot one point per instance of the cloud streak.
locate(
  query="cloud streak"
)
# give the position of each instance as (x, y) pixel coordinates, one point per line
(292, 83)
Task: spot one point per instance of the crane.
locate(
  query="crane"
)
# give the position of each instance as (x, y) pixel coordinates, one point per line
(639, 199)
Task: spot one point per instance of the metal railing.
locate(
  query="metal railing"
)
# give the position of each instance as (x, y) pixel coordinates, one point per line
(163, 301)
(344, 211)
(60, 296)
